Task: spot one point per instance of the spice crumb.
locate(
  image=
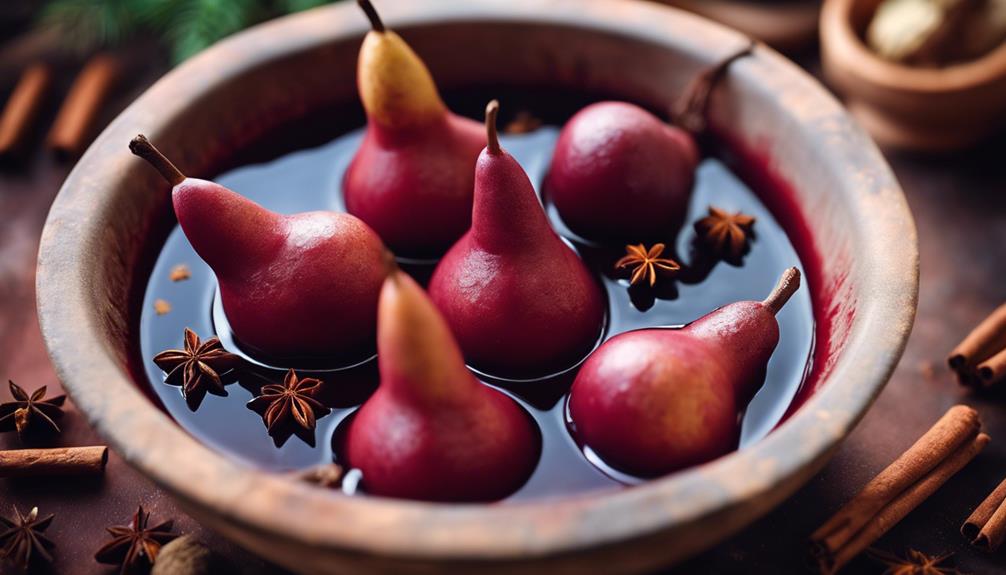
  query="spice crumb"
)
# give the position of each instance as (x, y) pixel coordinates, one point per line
(181, 272)
(928, 370)
(522, 123)
(161, 307)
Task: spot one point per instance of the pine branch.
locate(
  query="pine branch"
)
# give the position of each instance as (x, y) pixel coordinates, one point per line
(186, 26)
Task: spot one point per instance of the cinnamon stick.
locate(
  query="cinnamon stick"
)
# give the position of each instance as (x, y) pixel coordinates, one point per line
(55, 461)
(981, 515)
(23, 106)
(902, 505)
(945, 440)
(74, 123)
(993, 532)
(985, 340)
(993, 370)
(986, 527)
(953, 430)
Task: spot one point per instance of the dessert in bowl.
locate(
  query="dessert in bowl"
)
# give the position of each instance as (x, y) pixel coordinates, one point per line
(778, 148)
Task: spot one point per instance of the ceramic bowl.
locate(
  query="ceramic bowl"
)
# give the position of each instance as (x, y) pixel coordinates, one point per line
(839, 201)
(910, 107)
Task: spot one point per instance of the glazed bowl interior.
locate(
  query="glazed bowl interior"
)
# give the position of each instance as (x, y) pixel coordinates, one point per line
(839, 203)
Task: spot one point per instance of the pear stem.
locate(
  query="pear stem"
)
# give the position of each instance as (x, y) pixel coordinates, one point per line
(787, 286)
(492, 110)
(692, 108)
(375, 19)
(141, 146)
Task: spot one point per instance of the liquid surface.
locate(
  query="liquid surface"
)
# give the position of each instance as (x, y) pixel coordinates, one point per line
(311, 180)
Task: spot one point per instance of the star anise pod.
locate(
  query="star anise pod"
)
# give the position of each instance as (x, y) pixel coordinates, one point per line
(290, 408)
(135, 546)
(916, 563)
(22, 541)
(646, 263)
(197, 367)
(725, 234)
(31, 413)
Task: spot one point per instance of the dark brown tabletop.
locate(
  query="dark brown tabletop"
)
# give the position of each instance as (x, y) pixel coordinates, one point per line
(959, 203)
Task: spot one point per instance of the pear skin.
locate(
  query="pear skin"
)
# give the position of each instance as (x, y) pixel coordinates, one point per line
(654, 401)
(304, 285)
(517, 297)
(411, 180)
(432, 431)
(621, 174)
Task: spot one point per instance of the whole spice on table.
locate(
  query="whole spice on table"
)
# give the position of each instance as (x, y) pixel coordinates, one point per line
(22, 542)
(980, 359)
(197, 367)
(73, 126)
(939, 454)
(54, 461)
(23, 106)
(31, 415)
(986, 527)
(135, 546)
(187, 556)
(914, 563)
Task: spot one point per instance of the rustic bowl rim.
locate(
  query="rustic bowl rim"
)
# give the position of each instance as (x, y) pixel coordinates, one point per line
(838, 32)
(267, 504)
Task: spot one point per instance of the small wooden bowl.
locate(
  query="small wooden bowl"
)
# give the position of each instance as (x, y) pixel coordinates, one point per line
(786, 26)
(836, 197)
(910, 107)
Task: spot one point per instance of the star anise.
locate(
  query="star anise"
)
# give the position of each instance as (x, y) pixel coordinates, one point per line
(290, 408)
(22, 541)
(916, 563)
(646, 263)
(31, 413)
(135, 546)
(197, 367)
(725, 234)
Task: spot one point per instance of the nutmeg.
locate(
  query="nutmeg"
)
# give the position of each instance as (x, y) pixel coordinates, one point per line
(936, 32)
(186, 556)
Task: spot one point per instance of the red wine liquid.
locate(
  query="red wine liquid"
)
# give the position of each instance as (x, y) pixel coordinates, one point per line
(310, 179)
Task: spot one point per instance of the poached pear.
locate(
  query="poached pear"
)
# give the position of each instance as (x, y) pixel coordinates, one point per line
(619, 173)
(431, 431)
(653, 401)
(411, 179)
(517, 297)
(291, 286)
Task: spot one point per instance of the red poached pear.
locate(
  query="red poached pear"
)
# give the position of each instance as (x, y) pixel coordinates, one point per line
(411, 180)
(654, 401)
(432, 431)
(518, 298)
(619, 173)
(291, 286)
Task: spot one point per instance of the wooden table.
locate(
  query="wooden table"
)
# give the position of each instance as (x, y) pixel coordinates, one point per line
(959, 204)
